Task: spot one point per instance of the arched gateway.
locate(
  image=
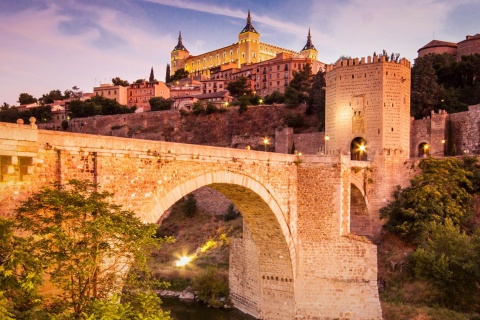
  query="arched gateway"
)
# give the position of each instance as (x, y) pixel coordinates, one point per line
(295, 259)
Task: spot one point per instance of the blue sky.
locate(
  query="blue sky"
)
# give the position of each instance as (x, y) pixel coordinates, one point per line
(58, 44)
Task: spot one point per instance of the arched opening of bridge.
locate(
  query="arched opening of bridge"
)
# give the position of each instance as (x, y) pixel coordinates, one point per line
(360, 220)
(358, 149)
(423, 150)
(260, 273)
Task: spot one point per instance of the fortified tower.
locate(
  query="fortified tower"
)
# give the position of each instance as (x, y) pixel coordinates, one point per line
(367, 117)
(248, 43)
(179, 55)
(368, 107)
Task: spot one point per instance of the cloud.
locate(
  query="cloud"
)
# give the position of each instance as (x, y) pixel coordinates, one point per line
(281, 25)
(42, 54)
(358, 27)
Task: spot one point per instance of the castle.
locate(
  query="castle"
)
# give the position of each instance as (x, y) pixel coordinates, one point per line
(267, 67)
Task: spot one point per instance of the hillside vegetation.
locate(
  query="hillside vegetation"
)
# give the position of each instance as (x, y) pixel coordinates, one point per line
(429, 254)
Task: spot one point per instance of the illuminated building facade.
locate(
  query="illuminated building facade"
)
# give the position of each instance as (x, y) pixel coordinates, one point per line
(246, 51)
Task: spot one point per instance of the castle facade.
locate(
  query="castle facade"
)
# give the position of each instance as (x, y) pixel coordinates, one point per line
(247, 50)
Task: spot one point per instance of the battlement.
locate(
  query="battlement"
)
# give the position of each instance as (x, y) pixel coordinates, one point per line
(362, 61)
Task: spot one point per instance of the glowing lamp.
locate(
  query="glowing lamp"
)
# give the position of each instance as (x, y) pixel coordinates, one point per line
(183, 261)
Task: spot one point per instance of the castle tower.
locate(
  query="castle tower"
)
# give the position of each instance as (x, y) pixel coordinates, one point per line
(368, 104)
(309, 50)
(178, 56)
(248, 43)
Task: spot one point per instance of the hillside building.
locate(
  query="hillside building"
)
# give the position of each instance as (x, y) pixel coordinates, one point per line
(111, 91)
(470, 45)
(141, 91)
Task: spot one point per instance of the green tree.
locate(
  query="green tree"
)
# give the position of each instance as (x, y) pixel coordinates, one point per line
(179, 75)
(25, 98)
(120, 82)
(316, 98)
(198, 107)
(160, 103)
(275, 97)
(449, 260)
(293, 97)
(297, 90)
(151, 78)
(302, 80)
(190, 206)
(9, 114)
(167, 73)
(211, 285)
(210, 108)
(52, 96)
(239, 87)
(443, 190)
(84, 241)
(426, 92)
(74, 93)
(20, 275)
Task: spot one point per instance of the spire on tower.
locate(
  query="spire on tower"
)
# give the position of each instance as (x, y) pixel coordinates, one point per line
(180, 45)
(309, 45)
(249, 26)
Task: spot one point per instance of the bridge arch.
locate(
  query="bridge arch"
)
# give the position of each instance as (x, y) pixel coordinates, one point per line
(265, 225)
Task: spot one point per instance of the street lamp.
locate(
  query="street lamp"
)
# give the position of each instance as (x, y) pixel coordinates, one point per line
(326, 140)
(266, 141)
(425, 149)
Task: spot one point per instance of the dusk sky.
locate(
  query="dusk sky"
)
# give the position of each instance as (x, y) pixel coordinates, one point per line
(58, 44)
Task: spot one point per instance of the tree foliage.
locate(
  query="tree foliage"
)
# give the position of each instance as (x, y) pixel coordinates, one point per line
(426, 92)
(297, 91)
(443, 190)
(51, 96)
(85, 244)
(12, 114)
(449, 260)
(120, 82)
(239, 87)
(275, 97)
(436, 214)
(20, 275)
(316, 97)
(160, 103)
(179, 75)
(439, 81)
(211, 285)
(25, 98)
(97, 105)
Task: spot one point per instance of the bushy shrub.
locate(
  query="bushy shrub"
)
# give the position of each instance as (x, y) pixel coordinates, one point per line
(231, 213)
(190, 206)
(449, 260)
(211, 285)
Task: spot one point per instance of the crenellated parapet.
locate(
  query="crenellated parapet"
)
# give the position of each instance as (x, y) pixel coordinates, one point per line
(365, 60)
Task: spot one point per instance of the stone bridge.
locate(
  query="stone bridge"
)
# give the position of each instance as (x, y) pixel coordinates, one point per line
(297, 258)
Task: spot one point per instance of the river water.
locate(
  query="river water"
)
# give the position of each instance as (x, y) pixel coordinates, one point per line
(182, 310)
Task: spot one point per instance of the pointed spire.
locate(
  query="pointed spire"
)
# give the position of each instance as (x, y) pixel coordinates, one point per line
(180, 45)
(249, 26)
(309, 45)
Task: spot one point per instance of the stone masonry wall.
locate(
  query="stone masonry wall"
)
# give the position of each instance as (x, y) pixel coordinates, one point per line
(459, 131)
(328, 259)
(244, 279)
(211, 201)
